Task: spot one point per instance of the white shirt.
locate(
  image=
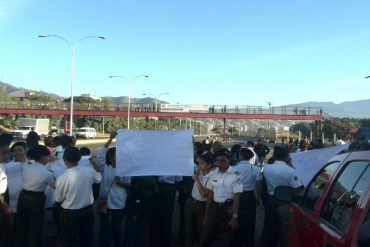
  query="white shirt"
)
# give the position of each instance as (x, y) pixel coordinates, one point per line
(100, 157)
(35, 177)
(58, 152)
(225, 184)
(13, 172)
(250, 173)
(74, 187)
(85, 161)
(254, 159)
(57, 167)
(280, 174)
(203, 179)
(3, 179)
(116, 195)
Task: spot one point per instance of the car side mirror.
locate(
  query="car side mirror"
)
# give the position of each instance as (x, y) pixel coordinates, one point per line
(364, 236)
(284, 193)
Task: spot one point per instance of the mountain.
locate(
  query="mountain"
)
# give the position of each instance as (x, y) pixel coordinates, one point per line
(20, 92)
(352, 109)
(7, 88)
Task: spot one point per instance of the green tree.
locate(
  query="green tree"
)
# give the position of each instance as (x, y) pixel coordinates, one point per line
(304, 127)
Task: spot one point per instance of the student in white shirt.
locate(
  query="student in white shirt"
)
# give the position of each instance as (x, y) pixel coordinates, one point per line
(279, 173)
(115, 189)
(31, 202)
(252, 184)
(196, 204)
(13, 170)
(224, 188)
(13, 173)
(5, 210)
(73, 191)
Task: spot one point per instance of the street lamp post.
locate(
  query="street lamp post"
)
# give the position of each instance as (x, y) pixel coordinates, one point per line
(268, 121)
(72, 48)
(156, 104)
(129, 92)
(156, 98)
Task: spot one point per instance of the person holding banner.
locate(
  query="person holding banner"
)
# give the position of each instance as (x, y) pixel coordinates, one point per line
(113, 188)
(167, 194)
(196, 204)
(224, 188)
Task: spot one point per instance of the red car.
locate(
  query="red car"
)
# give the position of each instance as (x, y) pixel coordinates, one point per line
(335, 207)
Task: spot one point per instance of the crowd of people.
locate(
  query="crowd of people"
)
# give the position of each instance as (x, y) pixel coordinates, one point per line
(217, 204)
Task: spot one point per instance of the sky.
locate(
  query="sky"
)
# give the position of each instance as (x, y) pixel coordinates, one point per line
(215, 52)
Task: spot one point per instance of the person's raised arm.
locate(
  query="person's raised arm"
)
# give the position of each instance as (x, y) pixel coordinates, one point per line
(111, 137)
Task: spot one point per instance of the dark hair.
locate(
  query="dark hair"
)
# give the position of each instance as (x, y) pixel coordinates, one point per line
(36, 152)
(222, 152)
(18, 144)
(32, 139)
(235, 148)
(110, 152)
(85, 151)
(207, 158)
(207, 147)
(280, 153)
(48, 141)
(6, 138)
(271, 160)
(57, 140)
(246, 154)
(66, 140)
(199, 147)
(72, 154)
(250, 143)
(3, 144)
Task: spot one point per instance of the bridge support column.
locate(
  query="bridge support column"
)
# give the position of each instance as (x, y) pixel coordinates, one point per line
(147, 122)
(225, 129)
(65, 120)
(318, 129)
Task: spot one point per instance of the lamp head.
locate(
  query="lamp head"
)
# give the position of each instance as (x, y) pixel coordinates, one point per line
(101, 37)
(42, 36)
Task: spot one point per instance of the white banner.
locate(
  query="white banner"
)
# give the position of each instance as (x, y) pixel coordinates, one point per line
(308, 163)
(159, 152)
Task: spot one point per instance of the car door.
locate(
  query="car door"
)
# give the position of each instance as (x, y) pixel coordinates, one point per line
(337, 212)
(341, 210)
(303, 218)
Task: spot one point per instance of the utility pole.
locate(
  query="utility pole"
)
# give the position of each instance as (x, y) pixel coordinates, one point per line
(268, 121)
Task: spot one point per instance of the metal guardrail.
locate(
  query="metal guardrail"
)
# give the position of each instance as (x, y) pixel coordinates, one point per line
(98, 106)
